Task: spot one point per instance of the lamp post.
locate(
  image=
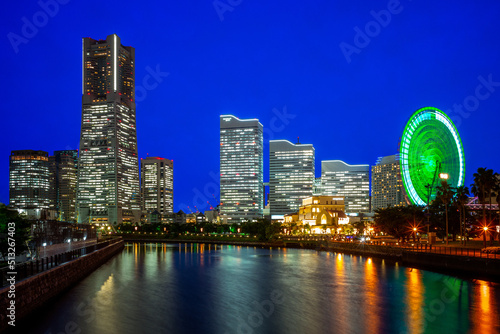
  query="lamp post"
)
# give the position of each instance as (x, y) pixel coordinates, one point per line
(428, 213)
(414, 234)
(485, 230)
(444, 179)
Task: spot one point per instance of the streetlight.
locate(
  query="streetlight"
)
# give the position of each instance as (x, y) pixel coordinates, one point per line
(414, 234)
(485, 229)
(444, 179)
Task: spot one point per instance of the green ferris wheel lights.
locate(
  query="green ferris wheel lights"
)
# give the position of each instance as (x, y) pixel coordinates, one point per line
(430, 145)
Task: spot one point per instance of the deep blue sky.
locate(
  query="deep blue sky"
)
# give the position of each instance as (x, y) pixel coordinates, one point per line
(263, 56)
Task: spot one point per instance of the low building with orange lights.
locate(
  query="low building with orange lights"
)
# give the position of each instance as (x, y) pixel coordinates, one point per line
(323, 214)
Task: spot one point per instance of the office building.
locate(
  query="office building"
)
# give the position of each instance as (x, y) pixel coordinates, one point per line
(387, 185)
(350, 181)
(63, 167)
(108, 171)
(29, 180)
(291, 176)
(157, 185)
(241, 169)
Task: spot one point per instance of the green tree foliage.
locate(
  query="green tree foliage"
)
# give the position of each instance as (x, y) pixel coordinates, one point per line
(21, 235)
(461, 198)
(485, 183)
(399, 221)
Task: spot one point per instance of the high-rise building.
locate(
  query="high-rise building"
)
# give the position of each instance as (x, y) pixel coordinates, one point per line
(317, 188)
(157, 185)
(63, 167)
(108, 169)
(350, 181)
(291, 176)
(241, 169)
(387, 185)
(29, 179)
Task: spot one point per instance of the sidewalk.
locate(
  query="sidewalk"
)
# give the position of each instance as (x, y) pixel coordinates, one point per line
(64, 247)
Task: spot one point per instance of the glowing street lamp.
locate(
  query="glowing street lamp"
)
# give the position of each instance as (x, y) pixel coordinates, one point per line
(444, 179)
(485, 229)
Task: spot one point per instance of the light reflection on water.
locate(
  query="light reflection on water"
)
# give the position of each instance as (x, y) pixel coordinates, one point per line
(203, 288)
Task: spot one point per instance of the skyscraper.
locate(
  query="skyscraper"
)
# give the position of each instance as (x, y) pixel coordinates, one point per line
(387, 185)
(241, 169)
(29, 179)
(108, 170)
(350, 181)
(157, 185)
(291, 176)
(63, 167)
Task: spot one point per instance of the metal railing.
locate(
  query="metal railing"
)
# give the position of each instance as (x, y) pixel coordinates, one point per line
(408, 246)
(30, 268)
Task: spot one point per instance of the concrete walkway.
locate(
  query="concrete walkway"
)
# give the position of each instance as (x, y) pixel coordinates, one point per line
(64, 247)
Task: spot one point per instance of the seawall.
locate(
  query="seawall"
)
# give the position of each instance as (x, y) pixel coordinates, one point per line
(33, 292)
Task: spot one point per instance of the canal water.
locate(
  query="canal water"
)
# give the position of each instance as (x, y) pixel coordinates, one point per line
(202, 288)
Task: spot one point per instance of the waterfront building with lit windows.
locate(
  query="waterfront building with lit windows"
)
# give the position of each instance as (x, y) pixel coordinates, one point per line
(157, 185)
(350, 181)
(29, 180)
(322, 214)
(63, 167)
(108, 189)
(241, 169)
(387, 185)
(291, 176)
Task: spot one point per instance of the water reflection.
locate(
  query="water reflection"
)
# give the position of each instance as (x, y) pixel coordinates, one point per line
(484, 308)
(198, 288)
(414, 301)
(372, 297)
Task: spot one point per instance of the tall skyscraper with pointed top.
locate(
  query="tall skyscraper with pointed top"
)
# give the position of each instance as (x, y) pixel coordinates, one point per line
(108, 171)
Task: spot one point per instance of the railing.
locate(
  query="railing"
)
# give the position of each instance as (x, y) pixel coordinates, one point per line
(409, 246)
(30, 268)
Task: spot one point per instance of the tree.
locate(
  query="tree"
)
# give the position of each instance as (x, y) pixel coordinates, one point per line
(307, 228)
(485, 182)
(21, 233)
(445, 193)
(461, 198)
(399, 221)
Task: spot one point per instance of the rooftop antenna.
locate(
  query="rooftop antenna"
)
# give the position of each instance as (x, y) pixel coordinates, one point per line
(298, 140)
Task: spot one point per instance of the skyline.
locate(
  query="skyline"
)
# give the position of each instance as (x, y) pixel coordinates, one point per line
(291, 63)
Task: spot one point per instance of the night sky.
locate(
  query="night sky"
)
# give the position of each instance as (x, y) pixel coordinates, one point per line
(302, 68)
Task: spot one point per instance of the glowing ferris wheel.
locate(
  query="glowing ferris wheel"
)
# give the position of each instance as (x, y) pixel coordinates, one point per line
(430, 146)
